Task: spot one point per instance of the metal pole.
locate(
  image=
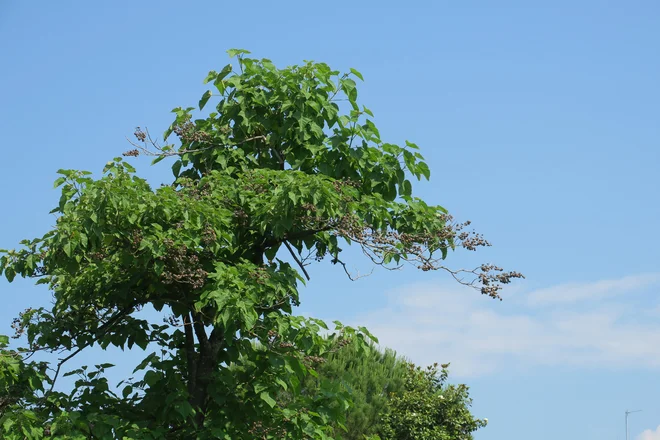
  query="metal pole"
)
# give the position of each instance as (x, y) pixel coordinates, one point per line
(627, 413)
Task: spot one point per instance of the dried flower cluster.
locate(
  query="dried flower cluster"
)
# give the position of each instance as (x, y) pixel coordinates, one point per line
(182, 266)
(21, 322)
(189, 134)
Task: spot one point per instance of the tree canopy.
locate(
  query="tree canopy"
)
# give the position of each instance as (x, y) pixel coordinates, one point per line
(371, 377)
(392, 399)
(277, 175)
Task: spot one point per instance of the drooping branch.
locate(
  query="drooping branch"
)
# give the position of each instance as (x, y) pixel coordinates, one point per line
(420, 250)
(103, 329)
(151, 147)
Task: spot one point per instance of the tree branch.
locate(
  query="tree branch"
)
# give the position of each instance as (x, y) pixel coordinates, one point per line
(104, 330)
(190, 352)
(297, 235)
(351, 277)
(166, 153)
(288, 246)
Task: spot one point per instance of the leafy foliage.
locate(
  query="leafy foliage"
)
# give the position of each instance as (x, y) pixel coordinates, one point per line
(394, 399)
(276, 167)
(429, 409)
(370, 377)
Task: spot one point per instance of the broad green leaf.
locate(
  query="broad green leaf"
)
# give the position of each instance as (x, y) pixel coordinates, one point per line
(211, 76)
(234, 52)
(205, 98)
(356, 73)
(266, 398)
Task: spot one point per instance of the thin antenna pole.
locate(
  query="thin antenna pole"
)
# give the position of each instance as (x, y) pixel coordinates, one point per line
(627, 413)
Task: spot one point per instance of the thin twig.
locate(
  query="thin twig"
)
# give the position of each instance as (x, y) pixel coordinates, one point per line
(351, 277)
(288, 246)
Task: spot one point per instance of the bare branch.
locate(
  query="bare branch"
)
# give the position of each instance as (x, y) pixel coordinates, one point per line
(357, 275)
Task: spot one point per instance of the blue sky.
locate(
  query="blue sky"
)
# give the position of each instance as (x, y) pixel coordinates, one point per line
(539, 121)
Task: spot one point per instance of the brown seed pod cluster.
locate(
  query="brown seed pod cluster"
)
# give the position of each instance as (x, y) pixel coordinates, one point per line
(241, 217)
(259, 431)
(313, 360)
(19, 324)
(493, 277)
(136, 238)
(182, 266)
(188, 133)
(209, 235)
(339, 184)
(343, 342)
(98, 255)
(260, 275)
(193, 190)
(140, 135)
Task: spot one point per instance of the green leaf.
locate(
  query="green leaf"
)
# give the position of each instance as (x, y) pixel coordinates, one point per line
(176, 168)
(127, 391)
(412, 145)
(205, 98)
(211, 76)
(183, 408)
(141, 340)
(130, 168)
(234, 52)
(151, 378)
(84, 240)
(146, 361)
(424, 169)
(157, 159)
(68, 248)
(224, 72)
(356, 73)
(266, 398)
(406, 188)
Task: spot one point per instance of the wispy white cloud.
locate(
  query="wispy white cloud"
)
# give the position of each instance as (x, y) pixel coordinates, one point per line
(480, 336)
(574, 292)
(650, 434)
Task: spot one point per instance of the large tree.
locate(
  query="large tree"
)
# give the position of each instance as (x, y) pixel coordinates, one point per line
(277, 168)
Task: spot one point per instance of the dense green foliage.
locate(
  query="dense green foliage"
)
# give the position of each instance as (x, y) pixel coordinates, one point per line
(428, 408)
(276, 167)
(370, 377)
(392, 399)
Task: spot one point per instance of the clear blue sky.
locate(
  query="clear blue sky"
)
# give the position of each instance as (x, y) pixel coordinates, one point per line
(540, 122)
